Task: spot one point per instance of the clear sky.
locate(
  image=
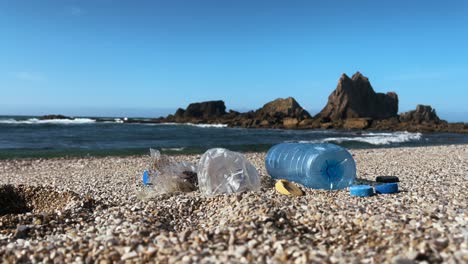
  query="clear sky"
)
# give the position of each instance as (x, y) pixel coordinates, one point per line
(145, 58)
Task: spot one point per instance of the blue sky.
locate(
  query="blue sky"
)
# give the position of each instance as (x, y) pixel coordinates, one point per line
(145, 58)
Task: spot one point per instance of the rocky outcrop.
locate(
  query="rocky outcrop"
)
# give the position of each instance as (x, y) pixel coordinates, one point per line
(355, 105)
(279, 113)
(423, 119)
(355, 98)
(422, 114)
(199, 112)
(352, 105)
(282, 112)
(287, 107)
(204, 110)
(50, 117)
(357, 123)
(290, 122)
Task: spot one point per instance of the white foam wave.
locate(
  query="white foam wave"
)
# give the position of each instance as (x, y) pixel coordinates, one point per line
(8, 121)
(33, 121)
(173, 149)
(373, 138)
(197, 125)
(207, 125)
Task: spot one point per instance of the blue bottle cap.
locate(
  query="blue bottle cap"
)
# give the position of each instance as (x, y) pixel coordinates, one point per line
(387, 188)
(145, 177)
(361, 190)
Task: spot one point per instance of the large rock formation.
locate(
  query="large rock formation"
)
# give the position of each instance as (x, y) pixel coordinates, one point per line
(422, 114)
(355, 98)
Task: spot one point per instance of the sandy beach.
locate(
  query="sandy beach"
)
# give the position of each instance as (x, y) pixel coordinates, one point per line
(85, 210)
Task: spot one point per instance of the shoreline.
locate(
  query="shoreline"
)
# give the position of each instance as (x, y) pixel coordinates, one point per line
(136, 153)
(344, 125)
(426, 220)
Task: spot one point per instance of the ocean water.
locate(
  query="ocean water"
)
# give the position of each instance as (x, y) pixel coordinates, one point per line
(23, 137)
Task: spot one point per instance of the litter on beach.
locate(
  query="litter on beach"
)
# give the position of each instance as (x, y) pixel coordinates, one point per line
(288, 188)
(317, 166)
(166, 175)
(221, 171)
(386, 188)
(361, 190)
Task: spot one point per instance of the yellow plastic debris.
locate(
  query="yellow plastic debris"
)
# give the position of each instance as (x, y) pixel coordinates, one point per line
(288, 188)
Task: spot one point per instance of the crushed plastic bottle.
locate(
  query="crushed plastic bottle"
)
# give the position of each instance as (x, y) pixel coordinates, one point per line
(224, 171)
(166, 175)
(318, 166)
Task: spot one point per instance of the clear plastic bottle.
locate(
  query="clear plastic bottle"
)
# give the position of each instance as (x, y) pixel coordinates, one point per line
(165, 175)
(221, 171)
(318, 166)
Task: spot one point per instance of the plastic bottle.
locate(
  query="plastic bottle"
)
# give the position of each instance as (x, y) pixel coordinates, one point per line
(221, 171)
(318, 166)
(165, 175)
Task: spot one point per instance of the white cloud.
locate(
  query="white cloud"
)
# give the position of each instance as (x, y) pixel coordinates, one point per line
(28, 76)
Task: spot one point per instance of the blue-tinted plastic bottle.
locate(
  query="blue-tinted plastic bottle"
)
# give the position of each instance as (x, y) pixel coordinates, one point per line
(318, 166)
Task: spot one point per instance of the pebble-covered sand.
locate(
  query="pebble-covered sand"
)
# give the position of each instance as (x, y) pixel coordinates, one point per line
(87, 212)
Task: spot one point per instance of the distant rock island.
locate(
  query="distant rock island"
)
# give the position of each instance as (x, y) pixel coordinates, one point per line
(352, 105)
(55, 117)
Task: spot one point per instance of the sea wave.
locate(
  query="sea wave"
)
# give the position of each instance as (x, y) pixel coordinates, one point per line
(173, 149)
(207, 125)
(192, 124)
(372, 138)
(33, 121)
